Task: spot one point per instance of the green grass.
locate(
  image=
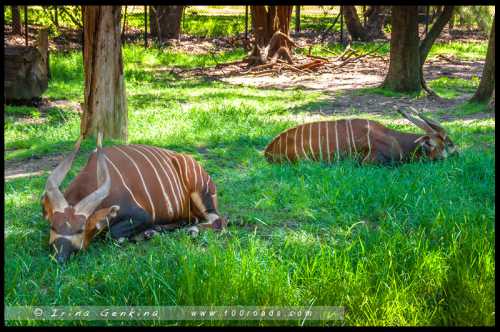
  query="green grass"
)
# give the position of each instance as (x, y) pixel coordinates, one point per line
(461, 50)
(445, 87)
(409, 245)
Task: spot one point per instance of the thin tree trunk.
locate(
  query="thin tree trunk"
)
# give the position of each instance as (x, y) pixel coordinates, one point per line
(56, 16)
(105, 103)
(428, 41)
(404, 66)
(437, 27)
(297, 19)
(16, 20)
(124, 22)
(486, 88)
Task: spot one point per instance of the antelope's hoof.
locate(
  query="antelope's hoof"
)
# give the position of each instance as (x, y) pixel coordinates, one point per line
(193, 231)
(220, 224)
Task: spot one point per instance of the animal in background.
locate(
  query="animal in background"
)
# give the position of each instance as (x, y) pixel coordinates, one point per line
(365, 140)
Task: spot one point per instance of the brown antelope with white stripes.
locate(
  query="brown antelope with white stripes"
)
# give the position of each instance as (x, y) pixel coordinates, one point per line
(129, 190)
(366, 140)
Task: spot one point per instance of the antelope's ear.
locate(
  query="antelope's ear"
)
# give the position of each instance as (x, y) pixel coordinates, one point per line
(99, 219)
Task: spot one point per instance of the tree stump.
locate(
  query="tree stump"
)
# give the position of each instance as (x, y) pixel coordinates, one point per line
(26, 70)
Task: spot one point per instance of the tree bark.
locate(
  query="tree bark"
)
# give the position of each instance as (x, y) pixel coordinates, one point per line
(165, 22)
(486, 88)
(16, 20)
(353, 24)
(297, 19)
(266, 21)
(374, 24)
(404, 66)
(271, 28)
(105, 103)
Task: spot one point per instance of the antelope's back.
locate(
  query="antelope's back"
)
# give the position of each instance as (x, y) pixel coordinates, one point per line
(158, 180)
(322, 140)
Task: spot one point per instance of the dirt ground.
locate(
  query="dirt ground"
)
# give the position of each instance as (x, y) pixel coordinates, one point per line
(342, 86)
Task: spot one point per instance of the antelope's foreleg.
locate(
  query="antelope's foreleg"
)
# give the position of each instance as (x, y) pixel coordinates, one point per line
(134, 222)
(206, 206)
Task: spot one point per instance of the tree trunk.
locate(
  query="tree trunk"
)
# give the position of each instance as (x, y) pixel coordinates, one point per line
(297, 19)
(430, 38)
(487, 85)
(491, 104)
(105, 104)
(404, 65)
(271, 28)
(16, 20)
(56, 17)
(165, 22)
(374, 24)
(353, 24)
(266, 21)
(437, 27)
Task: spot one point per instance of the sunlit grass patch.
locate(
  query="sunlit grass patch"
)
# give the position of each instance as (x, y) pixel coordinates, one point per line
(447, 87)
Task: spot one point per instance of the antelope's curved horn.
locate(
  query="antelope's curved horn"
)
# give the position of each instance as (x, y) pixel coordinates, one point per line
(87, 205)
(419, 123)
(55, 179)
(434, 124)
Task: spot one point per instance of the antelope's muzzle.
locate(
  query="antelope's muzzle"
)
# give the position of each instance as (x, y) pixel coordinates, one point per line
(63, 248)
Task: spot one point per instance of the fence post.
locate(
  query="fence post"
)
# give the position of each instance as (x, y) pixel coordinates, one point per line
(26, 25)
(246, 22)
(297, 19)
(43, 47)
(145, 26)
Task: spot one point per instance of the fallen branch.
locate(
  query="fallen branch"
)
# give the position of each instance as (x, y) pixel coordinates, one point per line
(318, 57)
(345, 62)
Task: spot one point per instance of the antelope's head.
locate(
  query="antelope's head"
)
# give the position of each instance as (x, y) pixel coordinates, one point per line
(73, 226)
(435, 144)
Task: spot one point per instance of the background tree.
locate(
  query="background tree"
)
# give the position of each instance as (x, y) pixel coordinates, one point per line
(105, 104)
(486, 88)
(374, 24)
(266, 20)
(165, 22)
(426, 44)
(404, 73)
(16, 20)
(408, 53)
(271, 28)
